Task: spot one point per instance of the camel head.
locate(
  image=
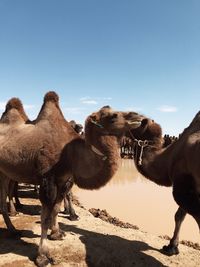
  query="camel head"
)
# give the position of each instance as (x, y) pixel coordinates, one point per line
(77, 127)
(148, 130)
(110, 122)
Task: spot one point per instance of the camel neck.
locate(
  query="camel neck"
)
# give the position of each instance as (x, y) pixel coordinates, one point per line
(96, 169)
(154, 165)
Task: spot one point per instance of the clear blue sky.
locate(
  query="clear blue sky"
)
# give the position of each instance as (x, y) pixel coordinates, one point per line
(142, 55)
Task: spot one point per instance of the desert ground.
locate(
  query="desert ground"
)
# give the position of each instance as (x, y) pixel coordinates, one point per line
(90, 241)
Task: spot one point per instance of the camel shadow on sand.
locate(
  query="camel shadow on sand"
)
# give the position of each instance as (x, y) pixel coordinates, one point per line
(104, 250)
(30, 209)
(17, 245)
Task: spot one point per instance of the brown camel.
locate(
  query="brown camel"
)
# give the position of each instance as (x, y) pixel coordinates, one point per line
(176, 165)
(8, 118)
(49, 152)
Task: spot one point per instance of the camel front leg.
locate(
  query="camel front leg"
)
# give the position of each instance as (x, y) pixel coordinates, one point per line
(43, 257)
(47, 195)
(172, 248)
(56, 232)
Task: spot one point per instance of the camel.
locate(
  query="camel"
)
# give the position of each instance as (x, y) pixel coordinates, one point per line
(50, 153)
(7, 117)
(177, 165)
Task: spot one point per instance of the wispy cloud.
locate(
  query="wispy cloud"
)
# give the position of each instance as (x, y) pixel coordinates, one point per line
(93, 100)
(88, 100)
(74, 110)
(166, 108)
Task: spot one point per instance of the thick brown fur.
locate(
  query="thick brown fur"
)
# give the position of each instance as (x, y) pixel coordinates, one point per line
(177, 165)
(14, 103)
(51, 96)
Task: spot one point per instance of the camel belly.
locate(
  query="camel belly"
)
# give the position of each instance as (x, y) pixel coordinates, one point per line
(19, 173)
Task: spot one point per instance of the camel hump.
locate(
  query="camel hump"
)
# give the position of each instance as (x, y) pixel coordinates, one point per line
(51, 96)
(14, 103)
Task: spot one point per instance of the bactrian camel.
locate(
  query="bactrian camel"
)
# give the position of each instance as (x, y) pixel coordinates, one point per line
(177, 165)
(49, 152)
(9, 119)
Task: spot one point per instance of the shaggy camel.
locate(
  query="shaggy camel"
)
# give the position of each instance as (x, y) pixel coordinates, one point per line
(8, 119)
(176, 165)
(57, 154)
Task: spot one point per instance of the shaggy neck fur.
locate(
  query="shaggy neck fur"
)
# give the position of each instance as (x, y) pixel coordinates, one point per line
(98, 171)
(155, 159)
(154, 165)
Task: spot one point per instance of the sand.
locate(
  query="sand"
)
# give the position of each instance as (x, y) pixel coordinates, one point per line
(88, 242)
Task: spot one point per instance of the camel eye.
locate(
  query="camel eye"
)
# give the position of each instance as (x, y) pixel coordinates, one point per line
(113, 117)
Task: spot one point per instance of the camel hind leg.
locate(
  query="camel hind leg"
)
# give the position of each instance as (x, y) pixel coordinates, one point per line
(187, 197)
(68, 207)
(172, 248)
(4, 182)
(12, 209)
(17, 201)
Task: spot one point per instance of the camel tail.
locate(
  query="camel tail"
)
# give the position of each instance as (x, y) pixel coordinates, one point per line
(51, 96)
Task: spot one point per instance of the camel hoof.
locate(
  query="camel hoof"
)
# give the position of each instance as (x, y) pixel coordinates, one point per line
(170, 250)
(73, 217)
(66, 211)
(57, 235)
(43, 260)
(13, 213)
